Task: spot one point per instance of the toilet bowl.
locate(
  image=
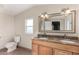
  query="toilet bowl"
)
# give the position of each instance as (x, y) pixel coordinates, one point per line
(11, 46)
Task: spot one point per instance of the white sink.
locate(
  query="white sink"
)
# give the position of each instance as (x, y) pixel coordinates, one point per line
(43, 38)
(67, 41)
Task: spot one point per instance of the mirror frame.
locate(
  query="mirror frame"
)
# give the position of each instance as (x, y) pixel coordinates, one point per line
(60, 31)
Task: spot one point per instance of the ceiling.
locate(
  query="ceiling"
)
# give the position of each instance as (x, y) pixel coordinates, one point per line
(14, 9)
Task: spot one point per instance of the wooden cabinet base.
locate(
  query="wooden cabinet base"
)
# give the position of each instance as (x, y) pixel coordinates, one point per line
(40, 47)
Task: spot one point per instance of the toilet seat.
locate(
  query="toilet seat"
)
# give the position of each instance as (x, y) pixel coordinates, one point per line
(10, 44)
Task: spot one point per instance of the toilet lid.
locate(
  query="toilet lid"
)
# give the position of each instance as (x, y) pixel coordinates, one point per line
(10, 44)
(17, 39)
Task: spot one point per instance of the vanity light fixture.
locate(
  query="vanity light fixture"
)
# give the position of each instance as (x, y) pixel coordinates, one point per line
(44, 15)
(65, 11)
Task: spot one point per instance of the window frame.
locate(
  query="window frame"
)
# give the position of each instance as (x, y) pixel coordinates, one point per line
(26, 26)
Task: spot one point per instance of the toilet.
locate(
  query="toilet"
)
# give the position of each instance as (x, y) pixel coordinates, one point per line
(11, 46)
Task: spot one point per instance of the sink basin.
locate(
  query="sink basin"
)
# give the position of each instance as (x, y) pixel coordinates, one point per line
(45, 38)
(67, 41)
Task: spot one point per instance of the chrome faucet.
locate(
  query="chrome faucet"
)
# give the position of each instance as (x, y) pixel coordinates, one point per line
(65, 37)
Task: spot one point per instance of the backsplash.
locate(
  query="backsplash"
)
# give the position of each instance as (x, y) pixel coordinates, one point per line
(58, 36)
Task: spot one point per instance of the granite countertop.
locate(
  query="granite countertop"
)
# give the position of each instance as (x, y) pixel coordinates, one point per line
(61, 41)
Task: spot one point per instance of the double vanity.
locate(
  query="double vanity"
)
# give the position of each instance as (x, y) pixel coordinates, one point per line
(55, 46)
(57, 23)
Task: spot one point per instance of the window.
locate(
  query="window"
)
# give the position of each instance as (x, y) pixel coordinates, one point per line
(29, 26)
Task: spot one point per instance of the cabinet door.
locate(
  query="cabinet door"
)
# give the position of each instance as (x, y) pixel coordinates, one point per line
(43, 50)
(34, 49)
(61, 52)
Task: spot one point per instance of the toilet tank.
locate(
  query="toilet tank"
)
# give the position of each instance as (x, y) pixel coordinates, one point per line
(17, 39)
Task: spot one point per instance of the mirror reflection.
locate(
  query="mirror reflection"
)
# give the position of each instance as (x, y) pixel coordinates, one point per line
(58, 22)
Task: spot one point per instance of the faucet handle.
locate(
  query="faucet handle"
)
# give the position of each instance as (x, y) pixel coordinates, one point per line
(64, 35)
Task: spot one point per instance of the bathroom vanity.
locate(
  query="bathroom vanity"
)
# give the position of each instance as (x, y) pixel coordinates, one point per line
(55, 46)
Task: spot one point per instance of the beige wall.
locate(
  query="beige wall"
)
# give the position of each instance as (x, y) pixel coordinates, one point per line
(34, 13)
(7, 30)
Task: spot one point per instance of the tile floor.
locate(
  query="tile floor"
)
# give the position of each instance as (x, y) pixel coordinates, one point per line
(18, 51)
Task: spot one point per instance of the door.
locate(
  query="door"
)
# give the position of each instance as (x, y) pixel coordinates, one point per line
(34, 49)
(43, 50)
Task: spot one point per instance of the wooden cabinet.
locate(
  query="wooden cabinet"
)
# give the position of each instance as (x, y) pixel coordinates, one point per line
(41, 47)
(43, 50)
(61, 52)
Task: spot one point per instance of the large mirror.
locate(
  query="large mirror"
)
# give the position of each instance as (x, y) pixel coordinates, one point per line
(58, 22)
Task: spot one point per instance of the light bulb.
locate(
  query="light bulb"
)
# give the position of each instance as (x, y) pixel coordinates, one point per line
(68, 11)
(65, 11)
(46, 16)
(42, 16)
